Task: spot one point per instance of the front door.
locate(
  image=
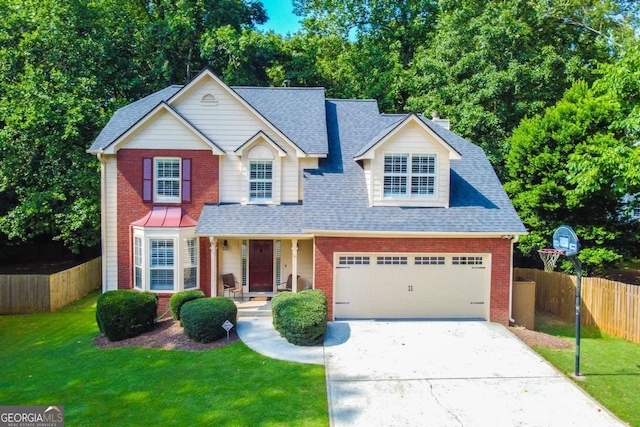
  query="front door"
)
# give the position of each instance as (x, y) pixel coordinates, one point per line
(260, 265)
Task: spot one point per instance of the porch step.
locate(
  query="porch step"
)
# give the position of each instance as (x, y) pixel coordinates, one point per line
(254, 313)
(254, 308)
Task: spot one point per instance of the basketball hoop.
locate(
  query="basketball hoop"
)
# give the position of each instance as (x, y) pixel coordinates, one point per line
(549, 257)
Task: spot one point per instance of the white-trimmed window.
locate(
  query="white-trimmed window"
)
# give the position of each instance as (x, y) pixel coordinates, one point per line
(423, 175)
(410, 175)
(165, 259)
(137, 262)
(190, 277)
(395, 175)
(161, 263)
(260, 180)
(167, 179)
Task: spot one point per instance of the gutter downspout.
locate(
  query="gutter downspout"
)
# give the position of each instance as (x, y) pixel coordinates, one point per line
(514, 240)
(103, 222)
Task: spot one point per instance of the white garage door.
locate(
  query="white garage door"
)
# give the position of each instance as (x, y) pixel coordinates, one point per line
(396, 286)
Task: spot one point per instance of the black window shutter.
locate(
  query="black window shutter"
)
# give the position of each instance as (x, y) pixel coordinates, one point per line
(186, 180)
(147, 179)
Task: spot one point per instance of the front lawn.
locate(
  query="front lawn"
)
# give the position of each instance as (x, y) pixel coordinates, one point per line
(611, 365)
(50, 359)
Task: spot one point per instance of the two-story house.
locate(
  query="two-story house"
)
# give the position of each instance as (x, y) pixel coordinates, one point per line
(392, 216)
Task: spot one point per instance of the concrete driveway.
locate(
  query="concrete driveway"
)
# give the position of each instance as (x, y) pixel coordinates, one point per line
(444, 373)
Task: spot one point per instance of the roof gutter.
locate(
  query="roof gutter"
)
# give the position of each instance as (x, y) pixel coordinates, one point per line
(429, 234)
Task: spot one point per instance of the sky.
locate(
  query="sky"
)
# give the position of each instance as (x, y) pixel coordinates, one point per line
(281, 17)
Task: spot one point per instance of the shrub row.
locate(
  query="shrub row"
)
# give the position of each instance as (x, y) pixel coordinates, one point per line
(126, 313)
(202, 318)
(301, 318)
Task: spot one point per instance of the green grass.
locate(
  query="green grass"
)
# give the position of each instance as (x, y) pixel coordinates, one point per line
(50, 359)
(610, 365)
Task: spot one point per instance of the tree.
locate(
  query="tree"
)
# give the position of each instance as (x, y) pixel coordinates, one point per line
(380, 40)
(563, 168)
(65, 66)
(490, 64)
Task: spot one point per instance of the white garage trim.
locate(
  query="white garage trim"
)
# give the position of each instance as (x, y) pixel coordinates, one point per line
(411, 285)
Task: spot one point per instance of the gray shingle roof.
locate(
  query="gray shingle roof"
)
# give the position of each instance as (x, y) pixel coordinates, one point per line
(129, 115)
(335, 196)
(299, 113)
(250, 220)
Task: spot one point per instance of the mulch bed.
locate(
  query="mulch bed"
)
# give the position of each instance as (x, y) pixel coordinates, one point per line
(167, 335)
(540, 339)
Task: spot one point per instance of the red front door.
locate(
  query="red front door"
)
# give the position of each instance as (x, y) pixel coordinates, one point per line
(260, 265)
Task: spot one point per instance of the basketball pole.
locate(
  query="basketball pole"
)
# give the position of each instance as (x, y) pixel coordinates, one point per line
(578, 266)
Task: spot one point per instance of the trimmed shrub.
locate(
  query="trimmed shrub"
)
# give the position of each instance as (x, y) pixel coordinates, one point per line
(301, 318)
(178, 299)
(202, 318)
(126, 313)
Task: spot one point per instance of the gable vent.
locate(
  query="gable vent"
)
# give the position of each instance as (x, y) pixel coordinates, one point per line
(209, 99)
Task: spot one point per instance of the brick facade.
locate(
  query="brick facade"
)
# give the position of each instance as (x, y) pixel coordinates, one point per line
(204, 189)
(500, 250)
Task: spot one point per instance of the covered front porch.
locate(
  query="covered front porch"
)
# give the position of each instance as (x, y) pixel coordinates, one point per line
(262, 266)
(261, 245)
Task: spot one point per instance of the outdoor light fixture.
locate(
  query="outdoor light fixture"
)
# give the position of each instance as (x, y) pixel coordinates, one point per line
(225, 245)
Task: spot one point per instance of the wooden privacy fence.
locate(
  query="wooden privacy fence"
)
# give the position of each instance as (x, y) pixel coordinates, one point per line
(39, 293)
(613, 307)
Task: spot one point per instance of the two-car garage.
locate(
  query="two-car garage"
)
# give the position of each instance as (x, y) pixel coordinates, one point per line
(411, 286)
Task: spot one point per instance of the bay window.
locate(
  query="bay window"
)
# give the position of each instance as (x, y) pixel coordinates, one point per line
(165, 259)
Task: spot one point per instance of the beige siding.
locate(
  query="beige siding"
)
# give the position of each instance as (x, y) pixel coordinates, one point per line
(412, 139)
(229, 124)
(231, 260)
(305, 262)
(110, 246)
(368, 176)
(166, 132)
(233, 179)
(304, 163)
(289, 183)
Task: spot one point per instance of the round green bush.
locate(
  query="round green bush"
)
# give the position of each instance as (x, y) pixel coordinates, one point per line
(178, 299)
(202, 318)
(126, 313)
(301, 318)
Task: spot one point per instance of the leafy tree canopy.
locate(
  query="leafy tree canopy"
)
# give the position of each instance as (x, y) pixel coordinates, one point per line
(570, 166)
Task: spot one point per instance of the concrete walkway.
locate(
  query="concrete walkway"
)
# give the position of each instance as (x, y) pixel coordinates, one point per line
(259, 335)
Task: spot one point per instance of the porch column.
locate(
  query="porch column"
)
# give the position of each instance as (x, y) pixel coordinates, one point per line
(294, 265)
(214, 266)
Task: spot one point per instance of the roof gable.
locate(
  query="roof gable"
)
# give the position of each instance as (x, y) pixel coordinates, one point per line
(207, 75)
(128, 116)
(260, 136)
(158, 111)
(386, 134)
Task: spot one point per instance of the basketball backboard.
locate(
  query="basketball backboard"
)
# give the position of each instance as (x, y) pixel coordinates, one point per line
(565, 239)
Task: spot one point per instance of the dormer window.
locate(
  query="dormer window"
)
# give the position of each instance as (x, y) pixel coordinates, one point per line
(410, 175)
(260, 180)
